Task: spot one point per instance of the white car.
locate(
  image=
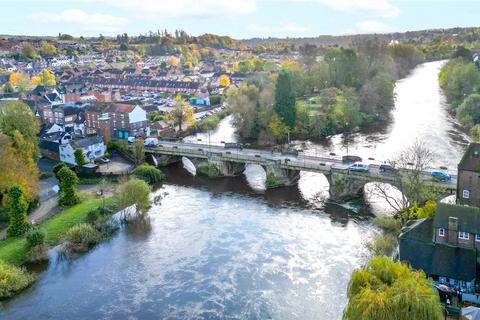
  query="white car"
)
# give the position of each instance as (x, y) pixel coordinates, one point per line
(360, 167)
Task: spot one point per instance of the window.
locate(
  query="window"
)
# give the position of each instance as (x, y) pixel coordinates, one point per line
(465, 194)
(441, 232)
(463, 235)
(477, 237)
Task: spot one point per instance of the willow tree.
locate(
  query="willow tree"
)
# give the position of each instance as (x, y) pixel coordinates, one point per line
(387, 290)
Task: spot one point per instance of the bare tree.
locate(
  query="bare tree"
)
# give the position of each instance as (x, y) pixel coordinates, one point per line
(409, 177)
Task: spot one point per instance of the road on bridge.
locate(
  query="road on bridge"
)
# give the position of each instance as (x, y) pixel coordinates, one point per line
(320, 163)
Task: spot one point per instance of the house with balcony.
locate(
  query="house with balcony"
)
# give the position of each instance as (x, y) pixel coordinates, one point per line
(446, 248)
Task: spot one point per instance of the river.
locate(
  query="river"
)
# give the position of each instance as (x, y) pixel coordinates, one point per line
(216, 249)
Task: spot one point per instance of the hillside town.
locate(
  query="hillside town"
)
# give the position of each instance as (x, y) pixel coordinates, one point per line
(98, 135)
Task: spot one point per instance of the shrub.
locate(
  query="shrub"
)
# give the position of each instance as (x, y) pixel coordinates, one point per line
(81, 237)
(58, 167)
(389, 225)
(68, 194)
(382, 245)
(13, 280)
(37, 254)
(35, 237)
(149, 174)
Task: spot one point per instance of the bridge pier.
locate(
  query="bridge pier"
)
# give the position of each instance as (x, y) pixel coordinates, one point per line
(279, 177)
(343, 187)
(162, 160)
(218, 168)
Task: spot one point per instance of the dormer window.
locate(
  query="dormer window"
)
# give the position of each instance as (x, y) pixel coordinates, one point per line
(463, 235)
(441, 232)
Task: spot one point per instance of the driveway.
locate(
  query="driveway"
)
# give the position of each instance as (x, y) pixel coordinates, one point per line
(117, 165)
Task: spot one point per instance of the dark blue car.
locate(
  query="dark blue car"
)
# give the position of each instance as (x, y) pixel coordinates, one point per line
(441, 176)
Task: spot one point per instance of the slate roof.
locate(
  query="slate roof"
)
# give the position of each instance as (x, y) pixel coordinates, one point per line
(435, 258)
(468, 217)
(471, 158)
(49, 145)
(83, 143)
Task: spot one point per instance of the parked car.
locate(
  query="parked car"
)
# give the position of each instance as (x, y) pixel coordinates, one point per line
(386, 168)
(104, 160)
(441, 176)
(131, 140)
(150, 142)
(233, 145)
(360, 167)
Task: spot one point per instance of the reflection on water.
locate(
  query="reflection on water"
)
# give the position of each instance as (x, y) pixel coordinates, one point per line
(420, 113)
(228, 248)
(214, 256)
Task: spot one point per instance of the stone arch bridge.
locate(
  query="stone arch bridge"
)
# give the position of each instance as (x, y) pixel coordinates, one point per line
(281, 169)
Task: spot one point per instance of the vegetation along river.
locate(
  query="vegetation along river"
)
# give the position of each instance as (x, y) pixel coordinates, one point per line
(224, 248)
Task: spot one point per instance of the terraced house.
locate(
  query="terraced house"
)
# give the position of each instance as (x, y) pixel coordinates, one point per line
(446, 248)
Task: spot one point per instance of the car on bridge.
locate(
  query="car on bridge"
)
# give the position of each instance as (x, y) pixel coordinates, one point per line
(441, 176)
(359, 167)
(386, 168)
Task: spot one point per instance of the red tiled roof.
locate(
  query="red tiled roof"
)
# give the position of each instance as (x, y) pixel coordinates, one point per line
(120, 108)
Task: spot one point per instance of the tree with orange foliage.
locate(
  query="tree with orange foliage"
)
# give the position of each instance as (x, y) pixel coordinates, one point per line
(173, 61)
(223, 81)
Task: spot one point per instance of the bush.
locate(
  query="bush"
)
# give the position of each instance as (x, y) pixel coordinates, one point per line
(389, 225)
(382, 245)
(35, 237)
(13, 280)
(37, 254)
(81, 237)
(149, 174)
(58, 167)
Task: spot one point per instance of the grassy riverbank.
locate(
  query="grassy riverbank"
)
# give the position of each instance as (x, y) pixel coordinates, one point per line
(15, 251)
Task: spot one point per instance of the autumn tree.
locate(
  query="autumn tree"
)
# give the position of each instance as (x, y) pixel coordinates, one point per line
(18, 148)
(252, 106)
(285, 99)
(182, 113)
(46, 78)
(224, 81)
(387, 290)
(17, 212)
(20, 81)
(68, 193)
(278, 128)
(14, 171)
(173, 61)
(47, 50)
(29, 51)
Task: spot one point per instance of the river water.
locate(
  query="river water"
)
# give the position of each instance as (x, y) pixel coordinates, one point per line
(216, 249)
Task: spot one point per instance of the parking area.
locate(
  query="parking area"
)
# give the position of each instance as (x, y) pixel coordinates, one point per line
(117, 166)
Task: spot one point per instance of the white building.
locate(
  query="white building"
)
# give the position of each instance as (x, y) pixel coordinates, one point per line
(93, 148)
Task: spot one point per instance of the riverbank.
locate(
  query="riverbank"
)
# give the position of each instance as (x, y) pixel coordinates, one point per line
(15, 251)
